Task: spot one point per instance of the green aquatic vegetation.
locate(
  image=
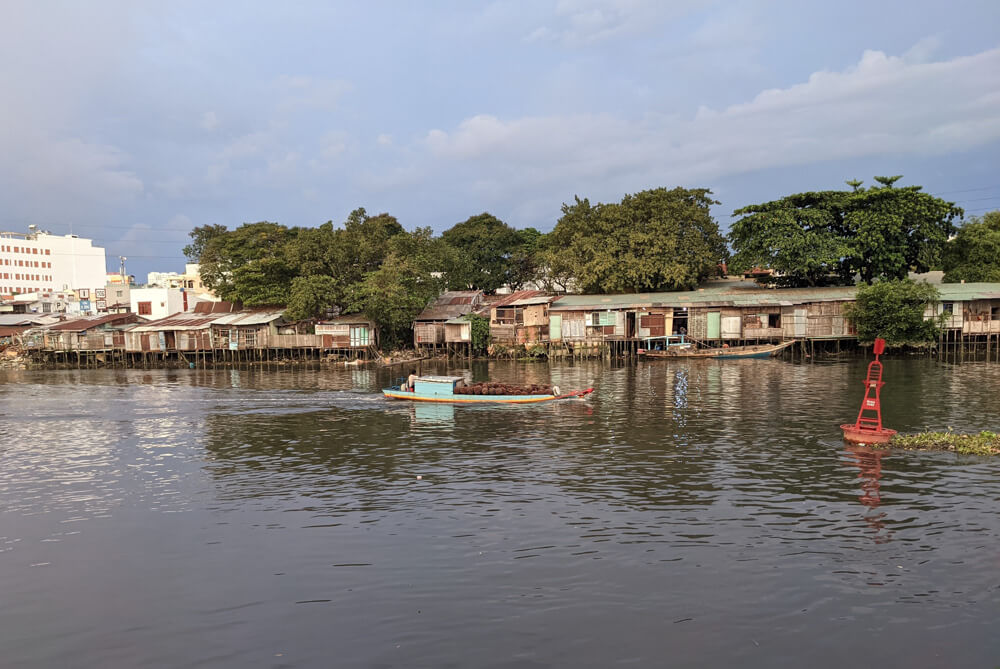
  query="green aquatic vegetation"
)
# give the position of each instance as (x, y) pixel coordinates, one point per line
(983, 443)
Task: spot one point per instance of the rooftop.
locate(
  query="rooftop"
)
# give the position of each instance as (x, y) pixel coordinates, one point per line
(743, 293)
(451, 304)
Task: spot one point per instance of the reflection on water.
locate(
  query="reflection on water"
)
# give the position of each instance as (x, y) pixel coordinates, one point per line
(869, 463)
(229, 516)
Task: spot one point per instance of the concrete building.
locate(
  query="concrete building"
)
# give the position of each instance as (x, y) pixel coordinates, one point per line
(40, 262)
(155, 303)
(190, 280)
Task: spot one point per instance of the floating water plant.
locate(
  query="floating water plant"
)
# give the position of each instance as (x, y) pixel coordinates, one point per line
(983, 443)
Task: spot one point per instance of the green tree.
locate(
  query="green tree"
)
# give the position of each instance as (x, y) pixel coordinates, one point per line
(392, 296)
(974, 254)
(200, 237)
(894, 310)
(483, 246)
(312, 297)
(249, 264)
(523, 266)
(881, 232)
(480, 332)
(654, 240)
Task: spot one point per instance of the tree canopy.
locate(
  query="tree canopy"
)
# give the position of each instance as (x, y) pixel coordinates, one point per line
(894, 310)
(371, 264)
(825, 237)
(483, 246)
(654, 240)
(974, 254)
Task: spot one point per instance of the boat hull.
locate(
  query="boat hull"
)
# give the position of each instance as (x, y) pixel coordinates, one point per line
(720, 353)
(478, 399)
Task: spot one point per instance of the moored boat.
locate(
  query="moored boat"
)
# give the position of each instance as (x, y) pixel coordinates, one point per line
(729, 352)
(453, 389)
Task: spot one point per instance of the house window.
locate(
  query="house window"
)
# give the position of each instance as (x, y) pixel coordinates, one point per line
(602, 318)
(774, 320)
(145, 308)
(948, 308)
(995, 314)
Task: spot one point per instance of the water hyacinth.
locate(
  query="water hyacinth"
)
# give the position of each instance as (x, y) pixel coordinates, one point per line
(983, 443)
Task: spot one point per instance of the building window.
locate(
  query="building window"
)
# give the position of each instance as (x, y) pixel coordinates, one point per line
(948, 308)
(774, 320)
(145, 308)
(995, 314)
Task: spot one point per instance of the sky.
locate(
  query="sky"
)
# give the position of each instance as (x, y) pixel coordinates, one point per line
(132, 122)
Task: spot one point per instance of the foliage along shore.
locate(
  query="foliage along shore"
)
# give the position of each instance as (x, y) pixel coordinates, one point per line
(983, 443)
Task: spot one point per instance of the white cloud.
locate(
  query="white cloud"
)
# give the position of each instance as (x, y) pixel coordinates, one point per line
(209, 121)
(882, 105)
(384, 140)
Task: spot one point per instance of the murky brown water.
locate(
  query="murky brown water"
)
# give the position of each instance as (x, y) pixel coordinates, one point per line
(689, 514)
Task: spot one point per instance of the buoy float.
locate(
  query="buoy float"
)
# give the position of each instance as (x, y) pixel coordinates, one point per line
(868, 428)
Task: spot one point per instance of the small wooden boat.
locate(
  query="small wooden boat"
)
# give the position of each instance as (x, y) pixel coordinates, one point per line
(731, 352)
(447, 389)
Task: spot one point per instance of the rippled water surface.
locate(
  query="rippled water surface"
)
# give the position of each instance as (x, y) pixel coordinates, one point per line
(689, 514)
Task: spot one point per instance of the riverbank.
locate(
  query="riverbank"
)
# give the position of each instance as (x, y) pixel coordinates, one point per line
(982, 443)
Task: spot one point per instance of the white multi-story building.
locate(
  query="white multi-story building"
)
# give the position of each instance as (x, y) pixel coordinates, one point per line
(40, 262)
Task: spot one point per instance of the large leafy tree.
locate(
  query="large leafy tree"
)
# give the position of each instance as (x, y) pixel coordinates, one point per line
(483, 246)
(200, 237)
(652, 241)
(523, 266)
(974, 254)
(312, 296)
(881, 232)
(401, 287)
(894, 310)
(249, 264)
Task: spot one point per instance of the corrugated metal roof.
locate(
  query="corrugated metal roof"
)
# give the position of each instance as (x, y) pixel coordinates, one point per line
(248, 317)
(963, 292)
(740, 294)
(528, 301)
(458, 320)
(209, 307)
(176, 322)
(515, 298)
(449, 305)
(81, 324)
(21, 319)
(193, 321)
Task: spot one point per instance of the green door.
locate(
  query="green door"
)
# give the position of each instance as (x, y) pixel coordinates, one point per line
(555, 328)
(714, 324)
(359, 336)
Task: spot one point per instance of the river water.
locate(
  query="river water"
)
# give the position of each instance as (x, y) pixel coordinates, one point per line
(699, 513)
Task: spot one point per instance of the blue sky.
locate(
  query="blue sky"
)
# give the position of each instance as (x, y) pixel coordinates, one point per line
(134, 121)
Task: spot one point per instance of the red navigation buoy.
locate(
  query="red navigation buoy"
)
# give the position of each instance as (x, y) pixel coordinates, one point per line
(868, 428)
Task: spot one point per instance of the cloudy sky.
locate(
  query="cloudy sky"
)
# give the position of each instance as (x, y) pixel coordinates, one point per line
(130, 122)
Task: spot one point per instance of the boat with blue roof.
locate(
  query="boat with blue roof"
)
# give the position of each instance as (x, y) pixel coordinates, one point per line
(453, 389)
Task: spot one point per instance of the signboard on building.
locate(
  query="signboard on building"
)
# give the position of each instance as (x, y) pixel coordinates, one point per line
(84, 294)
(102, 305)
(99, 293)
(84, 305)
